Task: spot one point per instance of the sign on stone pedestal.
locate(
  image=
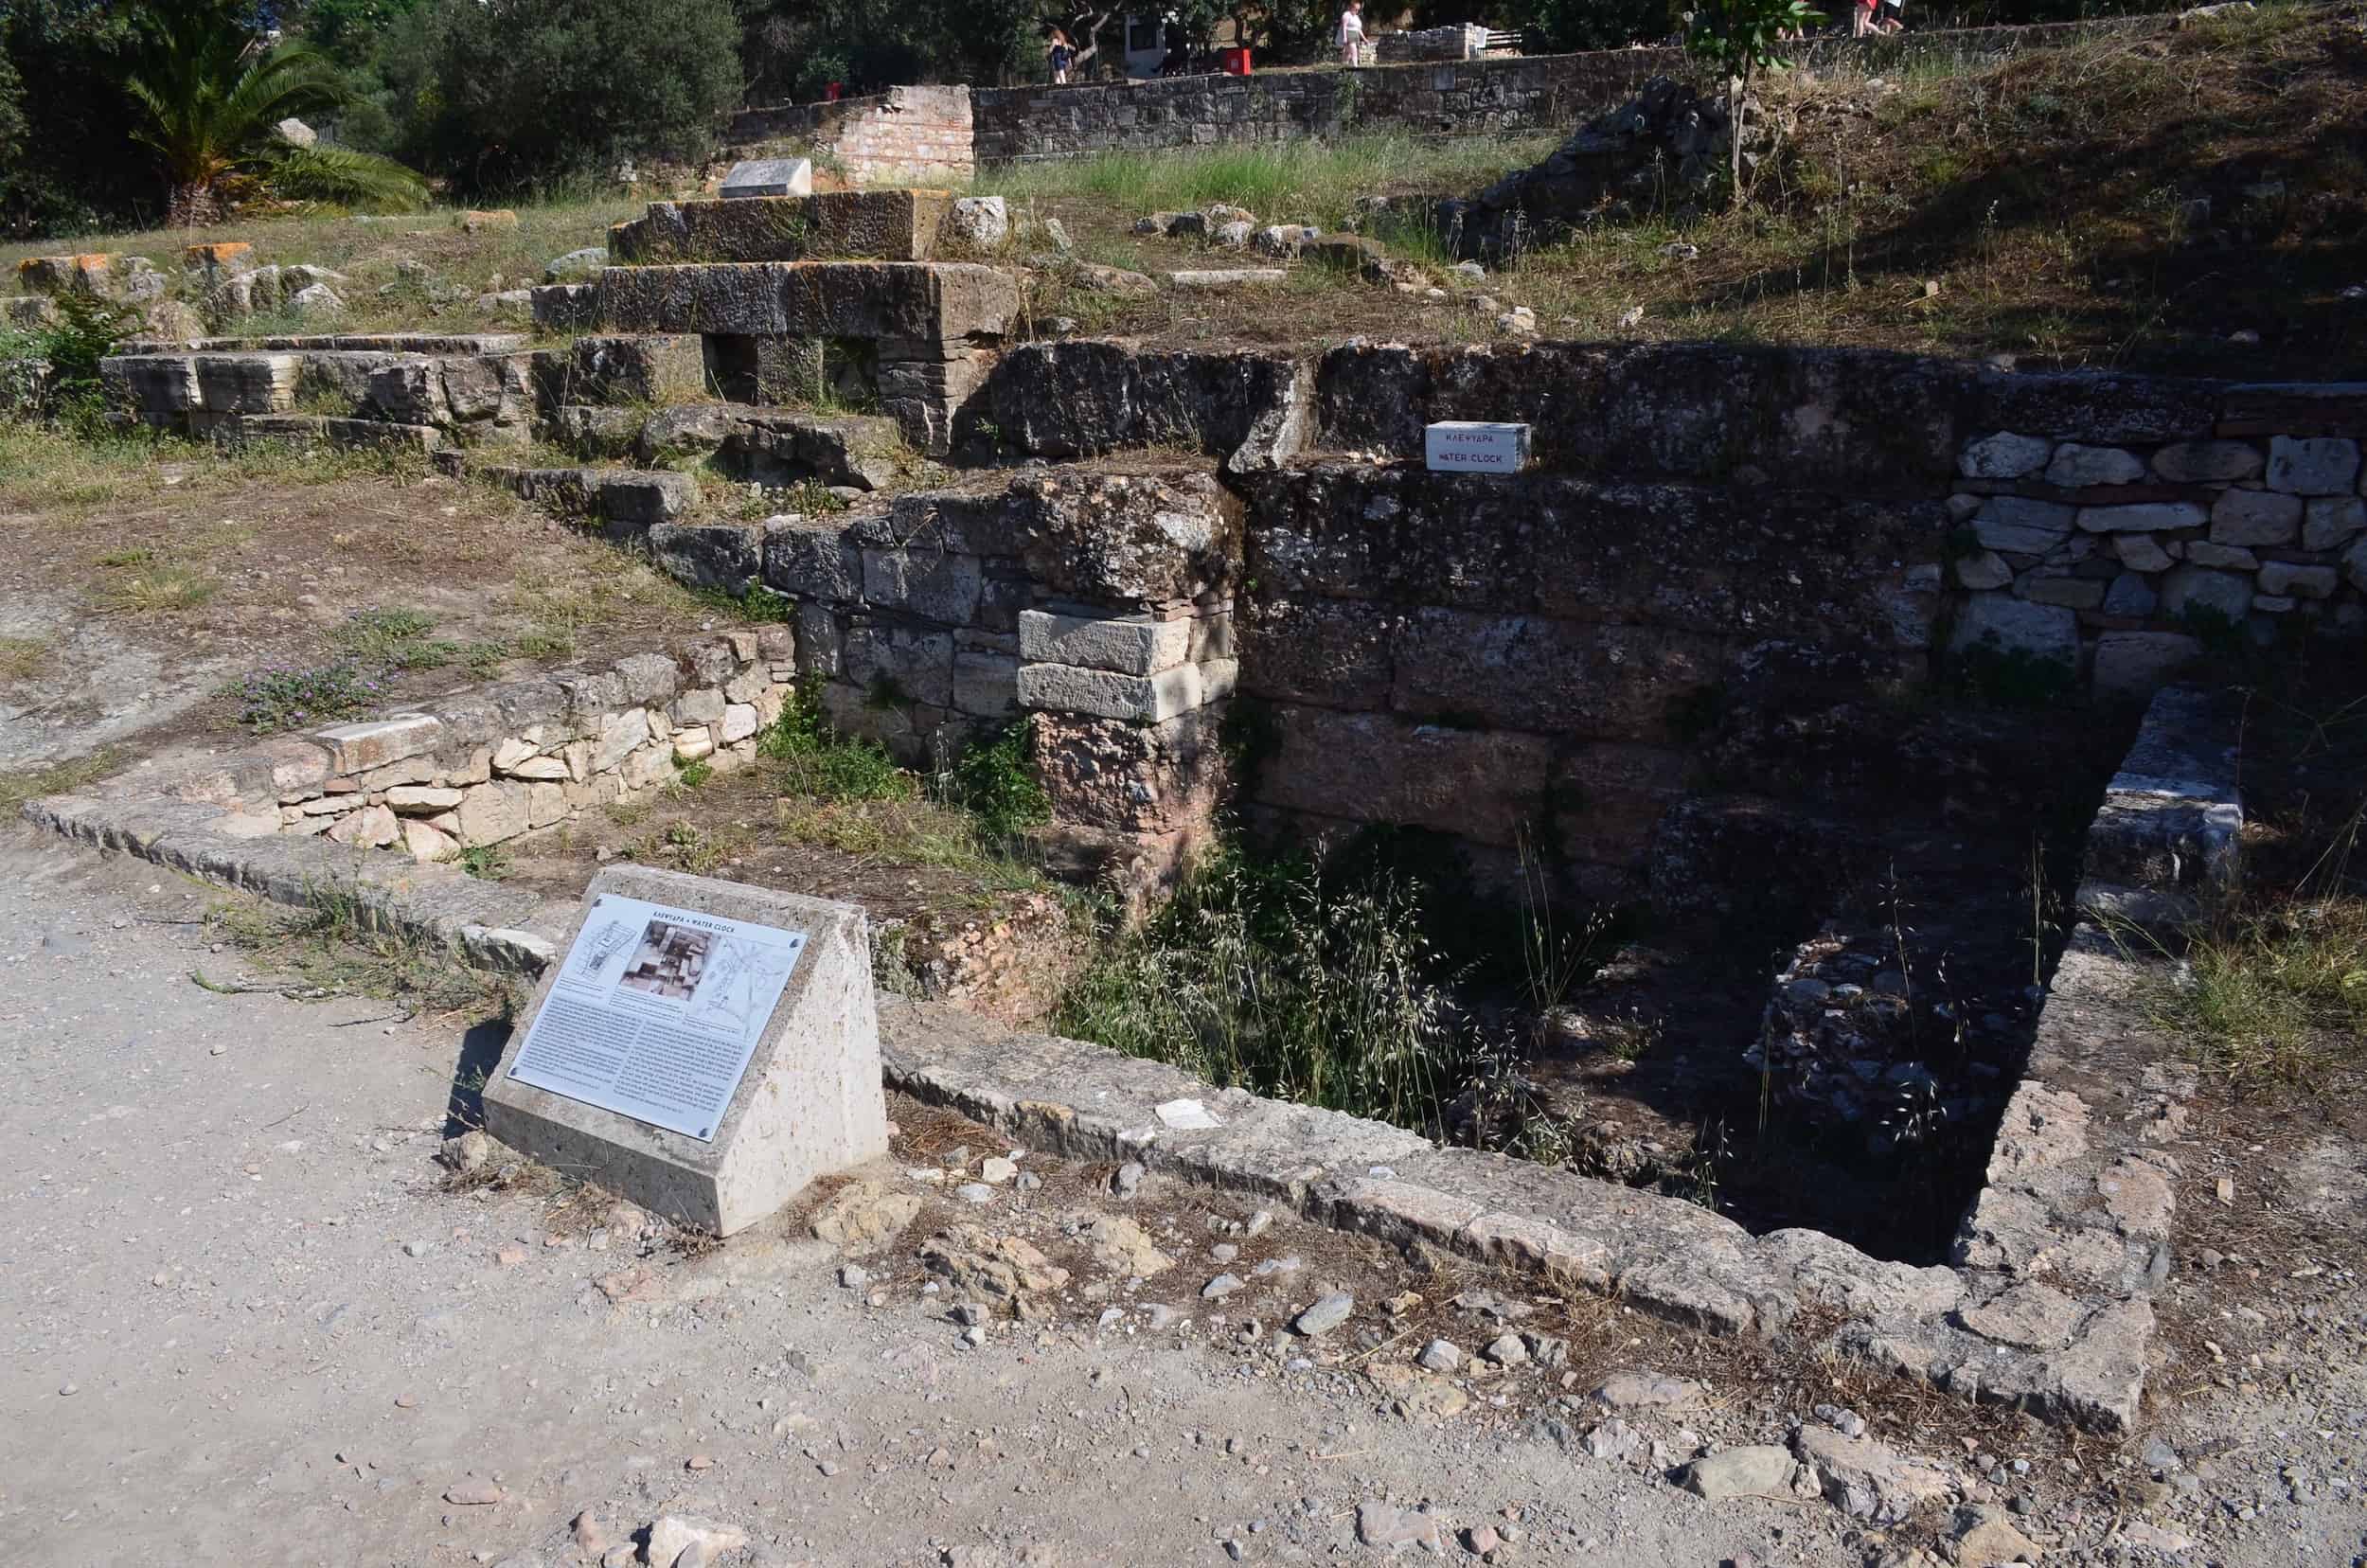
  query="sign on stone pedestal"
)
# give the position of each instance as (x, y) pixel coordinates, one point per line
(769, 177)
(704, 1048)
(1472, 446)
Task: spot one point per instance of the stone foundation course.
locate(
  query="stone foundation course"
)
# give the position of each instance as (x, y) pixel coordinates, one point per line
(488, 764)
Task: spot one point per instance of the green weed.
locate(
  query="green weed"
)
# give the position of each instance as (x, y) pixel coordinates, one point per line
(486, 861)
(1269, 976)
(282, 697)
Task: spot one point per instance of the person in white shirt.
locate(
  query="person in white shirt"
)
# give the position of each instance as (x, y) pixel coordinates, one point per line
(1352, 34)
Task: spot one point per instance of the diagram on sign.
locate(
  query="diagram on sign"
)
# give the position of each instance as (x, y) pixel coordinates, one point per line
(743, 979)
(598, 945)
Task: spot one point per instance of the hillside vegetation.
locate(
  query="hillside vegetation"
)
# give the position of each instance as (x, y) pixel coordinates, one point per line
(2143, 202)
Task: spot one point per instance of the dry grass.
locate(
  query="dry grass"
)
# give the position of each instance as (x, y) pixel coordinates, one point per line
(431, 272)
(22, 658)
(338, 948)
(55, 778)
(154, 589)
(2275, 992)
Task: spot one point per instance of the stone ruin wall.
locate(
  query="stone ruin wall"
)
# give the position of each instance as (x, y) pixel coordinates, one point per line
(1498, 96)
(1711, 530)
(1704, 531)
(490, 763)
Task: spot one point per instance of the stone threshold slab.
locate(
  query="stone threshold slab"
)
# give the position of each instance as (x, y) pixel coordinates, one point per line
(2062, 1184)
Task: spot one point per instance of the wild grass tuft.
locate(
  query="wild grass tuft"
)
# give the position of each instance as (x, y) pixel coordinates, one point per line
(1272, 977)
(2272, 990)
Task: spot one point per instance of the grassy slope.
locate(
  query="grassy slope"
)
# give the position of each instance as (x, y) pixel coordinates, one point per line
(2047, 199)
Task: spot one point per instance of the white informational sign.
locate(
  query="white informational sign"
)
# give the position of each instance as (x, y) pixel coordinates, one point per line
(1471, 446)
(657, 1012)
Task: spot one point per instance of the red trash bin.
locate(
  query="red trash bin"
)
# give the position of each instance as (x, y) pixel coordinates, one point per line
(831, 91)
(1234, 62)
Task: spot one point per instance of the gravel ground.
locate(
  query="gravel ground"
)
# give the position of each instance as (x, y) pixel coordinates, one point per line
(249, 1323)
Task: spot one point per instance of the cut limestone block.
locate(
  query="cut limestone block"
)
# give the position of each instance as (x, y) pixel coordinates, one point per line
(857, 299)
(770, 177)
(878, 225)
(704, 1048)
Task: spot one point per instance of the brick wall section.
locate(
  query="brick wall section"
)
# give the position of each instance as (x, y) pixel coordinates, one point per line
(1492, 96)
(906, 135)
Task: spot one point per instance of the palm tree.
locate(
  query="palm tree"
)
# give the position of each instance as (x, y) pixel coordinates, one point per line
(208, 94)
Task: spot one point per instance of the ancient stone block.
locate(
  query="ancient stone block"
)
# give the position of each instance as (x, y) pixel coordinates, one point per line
(895, 663)
(2078, 593)
(246, 383)
(2076, 467)
(1129, 645)
(2298, 581)
(2207, 462)
(2141, 517)
(355, 748)
(1550, 676)
(1103, 694)
(986, 684)
(879, 225)
(813, 557)
(933, 584)
(1334, 653)
(2012, 625)
(2003, 455)
(648, 677)
(491, 813)
(2321, 465)
(2327, 523)
(724, 556)
(1362, 767)
(2102, 406)
(858, 299)
(2191, 587)
(2254, 517)
(2235, 557)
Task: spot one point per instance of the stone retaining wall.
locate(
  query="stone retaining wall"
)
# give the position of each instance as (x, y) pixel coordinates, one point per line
(490, 763)
(1489, 97)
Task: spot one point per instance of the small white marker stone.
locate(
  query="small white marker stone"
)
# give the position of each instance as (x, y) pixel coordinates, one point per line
(1472, 446)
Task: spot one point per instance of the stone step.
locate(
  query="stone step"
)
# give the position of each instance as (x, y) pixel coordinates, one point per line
(766, 446)
(364, 434)
(627, 502)
(875, 225)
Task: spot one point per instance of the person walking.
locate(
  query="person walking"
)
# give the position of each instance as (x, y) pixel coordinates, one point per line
(1352, 34)
(1062, 55)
